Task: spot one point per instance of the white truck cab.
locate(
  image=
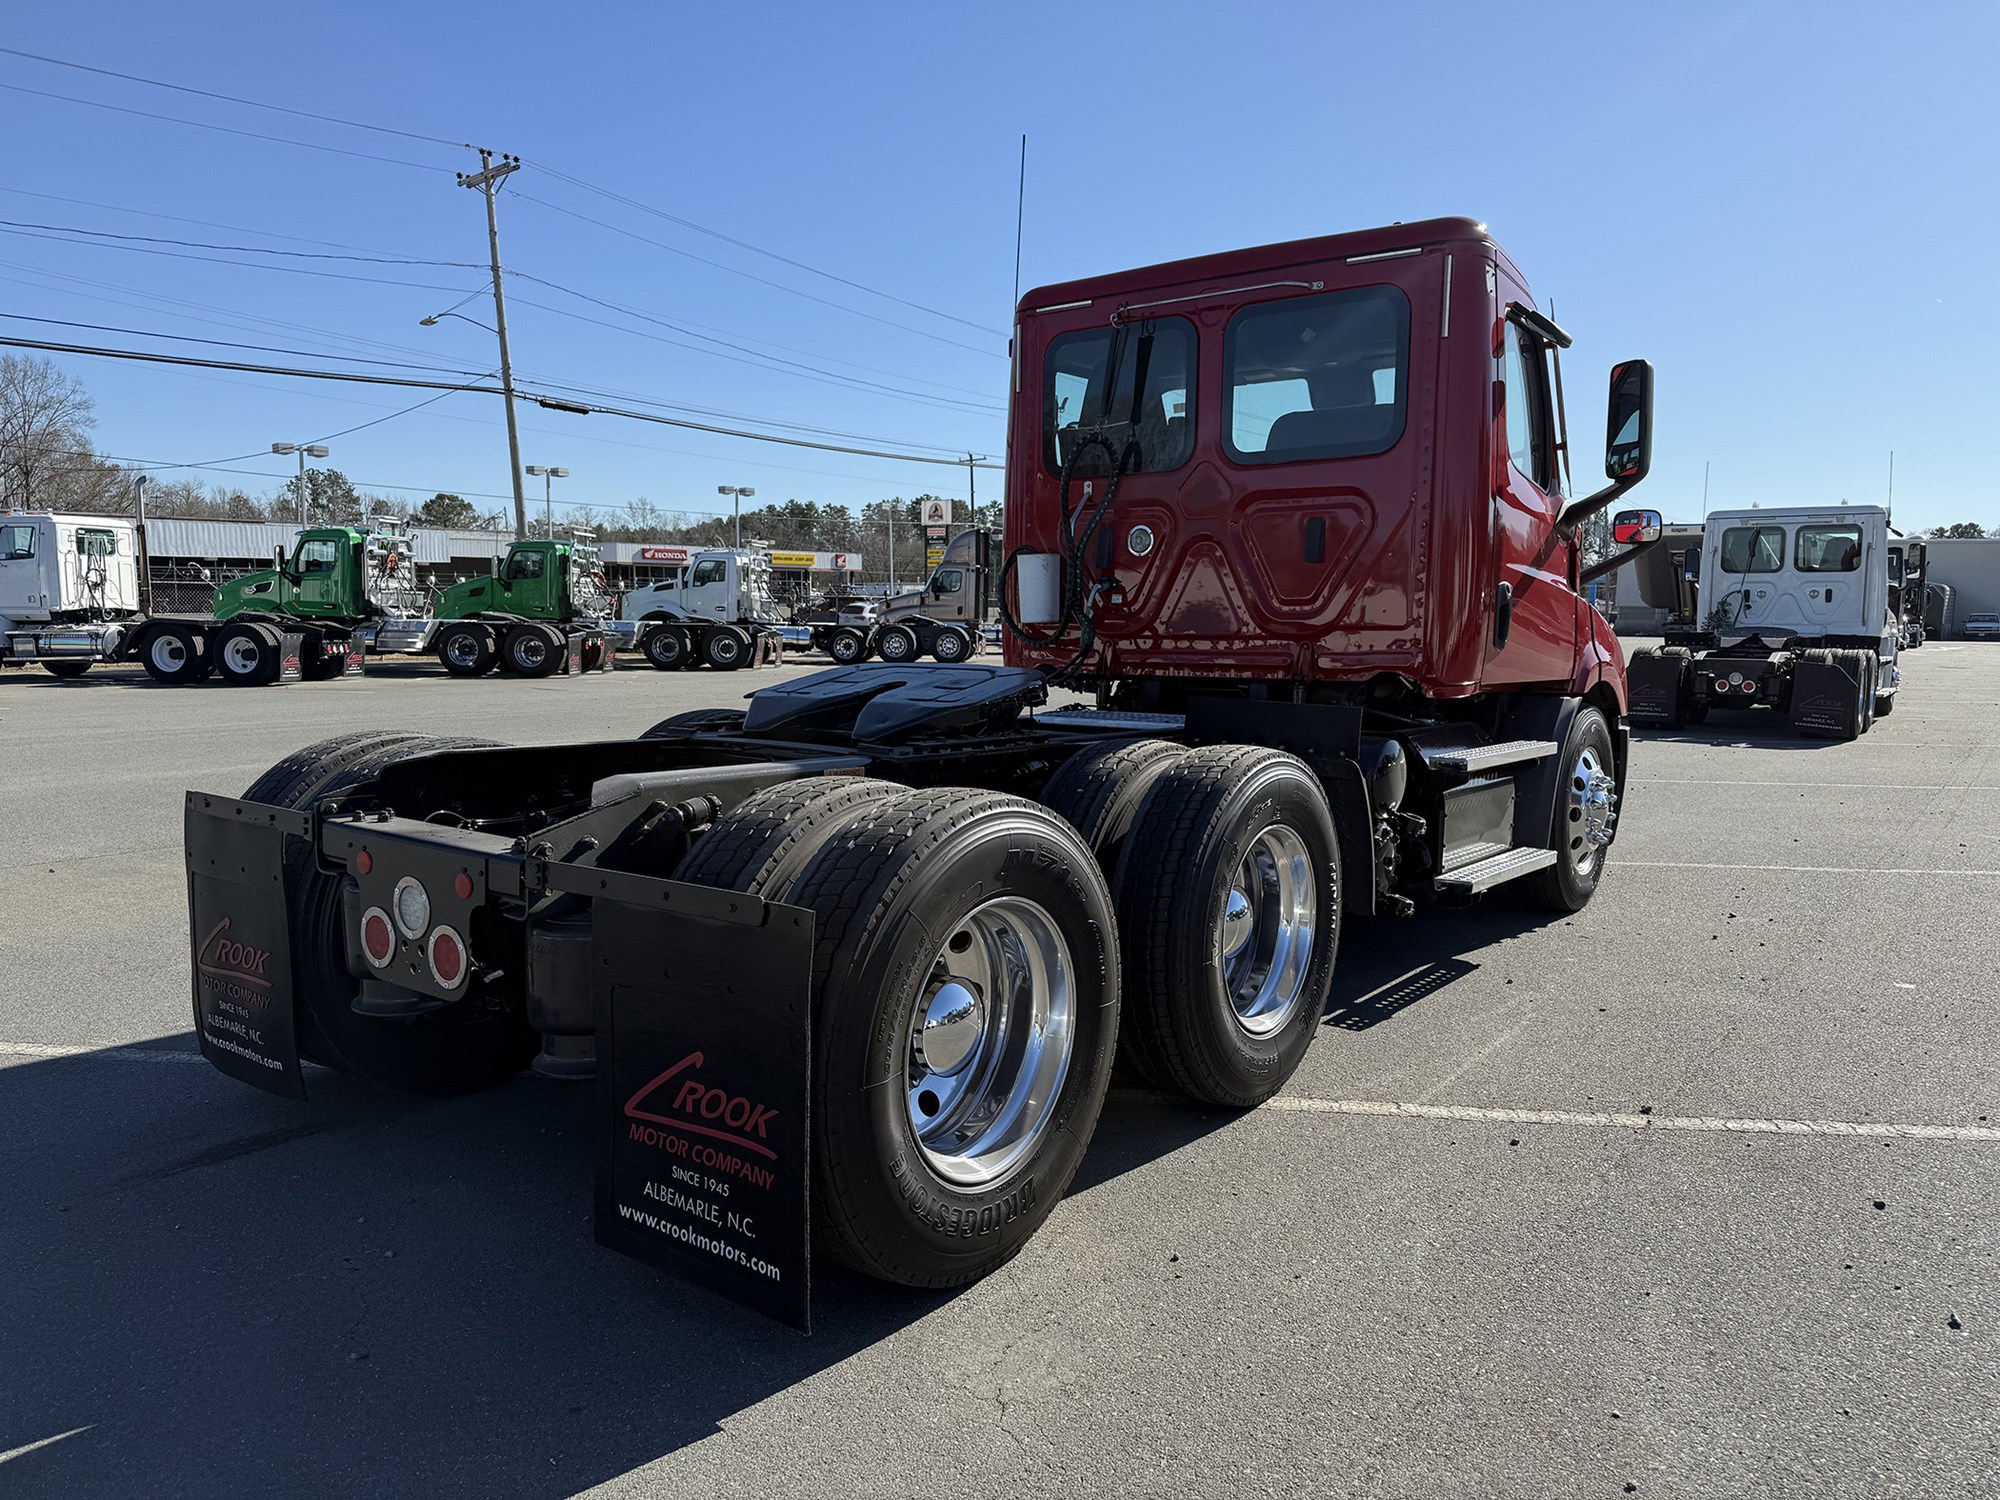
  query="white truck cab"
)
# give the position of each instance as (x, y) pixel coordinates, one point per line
(725, 585)
(1816, 572)
(68, 586)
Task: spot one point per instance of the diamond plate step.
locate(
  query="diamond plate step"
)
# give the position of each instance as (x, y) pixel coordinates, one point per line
(1486, 757)
(1495, 870)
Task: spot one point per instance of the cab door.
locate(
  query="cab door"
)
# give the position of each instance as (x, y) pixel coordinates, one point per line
(1535, 606)
(527, 583)
(320, 591)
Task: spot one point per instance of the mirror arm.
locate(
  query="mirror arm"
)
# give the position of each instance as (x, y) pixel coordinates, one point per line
(1590, 505)
(1612, 564)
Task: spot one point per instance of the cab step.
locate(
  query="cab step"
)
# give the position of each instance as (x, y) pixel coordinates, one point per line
(1495, 869)
(1473, 758)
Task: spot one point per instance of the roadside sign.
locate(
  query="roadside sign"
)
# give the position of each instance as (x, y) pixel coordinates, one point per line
(937, 512)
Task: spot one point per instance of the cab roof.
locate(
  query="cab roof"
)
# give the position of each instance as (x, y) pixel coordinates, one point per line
(1423, 233)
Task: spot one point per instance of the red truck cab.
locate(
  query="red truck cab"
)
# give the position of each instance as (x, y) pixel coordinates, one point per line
(1334, 467)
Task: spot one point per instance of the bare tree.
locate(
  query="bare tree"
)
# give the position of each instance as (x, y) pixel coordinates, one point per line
(45, 418)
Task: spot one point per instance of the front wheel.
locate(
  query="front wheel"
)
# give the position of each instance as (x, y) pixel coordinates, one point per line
(1585, 817)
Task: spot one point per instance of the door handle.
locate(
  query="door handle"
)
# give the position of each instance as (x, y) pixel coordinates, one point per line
(1503, 615)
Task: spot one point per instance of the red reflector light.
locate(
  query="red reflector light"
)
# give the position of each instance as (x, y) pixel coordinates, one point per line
(378, 939)
(463, 886)
(447, 956)
(1721, 685)
(1749, 686)
(363, 862)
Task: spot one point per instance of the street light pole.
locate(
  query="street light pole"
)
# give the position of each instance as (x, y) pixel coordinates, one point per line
(487, 180)
(741, 492)
(304, 451)
(548, 476)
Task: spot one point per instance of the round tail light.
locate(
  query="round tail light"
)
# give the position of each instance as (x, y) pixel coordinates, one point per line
(1721, 685)
(462, 886)
(446, 952)
(1749, 686)
(413, 907)
(378, 939)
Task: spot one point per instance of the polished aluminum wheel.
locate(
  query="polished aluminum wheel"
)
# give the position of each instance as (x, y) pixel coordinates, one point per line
(462, 648)
(1592, 814)
(990, 1041)
(1269, 917)
(531, 651)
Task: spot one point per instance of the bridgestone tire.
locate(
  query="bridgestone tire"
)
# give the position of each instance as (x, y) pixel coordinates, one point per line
(847, 647)
(1565, 886)
(247, 655)
(69, 671)
(666, 647)
(681, 725)
(467, 650)
(460, 1048)
(898, 644)
(532, 650)
(770, 836)
(1197, 825)
(951, 647)
(727, 648)
(885, 894)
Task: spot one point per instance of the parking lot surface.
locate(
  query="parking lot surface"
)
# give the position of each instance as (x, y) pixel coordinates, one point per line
(1691, 1194)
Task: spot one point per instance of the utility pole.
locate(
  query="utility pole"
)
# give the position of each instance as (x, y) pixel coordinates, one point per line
(487, 180)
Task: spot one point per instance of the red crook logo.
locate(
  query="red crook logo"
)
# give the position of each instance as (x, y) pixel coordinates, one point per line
(695, 1102)
(225, 958)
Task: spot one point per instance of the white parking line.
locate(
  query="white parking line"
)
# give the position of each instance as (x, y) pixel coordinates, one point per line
(13, 1453)
(1818, 786)
(1293, 1104)
(116, 1054)
(1675, 864)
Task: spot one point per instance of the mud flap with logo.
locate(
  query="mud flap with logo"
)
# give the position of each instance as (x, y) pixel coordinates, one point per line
(1823, 699)
(238, 929)
(1653, 689)
(704, 1041)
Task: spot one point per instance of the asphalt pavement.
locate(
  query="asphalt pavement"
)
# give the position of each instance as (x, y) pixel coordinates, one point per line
(1691, 1194)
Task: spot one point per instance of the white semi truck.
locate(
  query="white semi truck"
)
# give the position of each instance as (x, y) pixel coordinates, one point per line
(717, 610)
(1793, 611)
(69, 589)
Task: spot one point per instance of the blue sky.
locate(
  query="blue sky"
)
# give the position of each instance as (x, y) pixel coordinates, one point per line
(1786, 208)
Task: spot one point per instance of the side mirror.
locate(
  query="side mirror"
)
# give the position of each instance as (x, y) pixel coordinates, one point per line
(937, 588)
(1630, 528)
(1628, 439)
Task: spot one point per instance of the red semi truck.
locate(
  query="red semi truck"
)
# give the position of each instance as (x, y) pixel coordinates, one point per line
(851, 967)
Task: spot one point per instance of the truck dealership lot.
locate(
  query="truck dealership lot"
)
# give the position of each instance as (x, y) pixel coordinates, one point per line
(1617, 1203)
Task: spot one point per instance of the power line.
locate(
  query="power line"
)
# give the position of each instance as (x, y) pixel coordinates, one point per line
(748, 276)
(182, 88)
(351, 377)
(255, 135)
(155, 239)
(149, 213)
(251, 265)
(188, 338)
(800, 265)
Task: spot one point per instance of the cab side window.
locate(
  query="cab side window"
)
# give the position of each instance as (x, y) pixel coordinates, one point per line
(1525, 374)
(709, 572)
(526, 565)
(317, 557)
(16, 543)
(948, 581)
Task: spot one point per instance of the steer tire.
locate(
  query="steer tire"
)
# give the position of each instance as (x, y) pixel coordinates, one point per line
(769, 836)
(1569, 883)
(69, 671)
(462, 1047)
(889, 895)
(175, 654)
(726, 648)
(681, 725)
(532, 649)
(467, 649)
(666, 647)
(1199, 823)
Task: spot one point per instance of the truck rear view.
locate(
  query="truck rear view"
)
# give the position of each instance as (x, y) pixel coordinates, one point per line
(852, 965)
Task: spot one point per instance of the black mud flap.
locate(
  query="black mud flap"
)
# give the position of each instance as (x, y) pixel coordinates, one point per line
(1823, 699)
(291, 656)
(1653, 690)
(704, 1028)
(239, 932)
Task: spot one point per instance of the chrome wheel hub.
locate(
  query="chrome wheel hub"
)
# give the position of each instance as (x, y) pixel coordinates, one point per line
(990, 1042)
(1593, 810)
(462, 649)
(1265, 937)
